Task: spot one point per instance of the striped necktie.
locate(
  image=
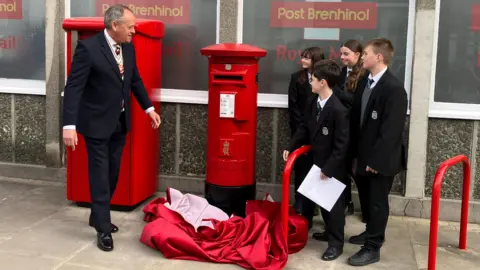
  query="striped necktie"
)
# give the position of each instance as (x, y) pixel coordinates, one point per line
(319, 109)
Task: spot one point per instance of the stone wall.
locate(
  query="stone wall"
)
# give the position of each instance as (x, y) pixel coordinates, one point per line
(184, 143)
(22, 133)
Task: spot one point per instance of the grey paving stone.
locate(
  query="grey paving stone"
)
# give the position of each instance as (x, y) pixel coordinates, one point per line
(41, 230)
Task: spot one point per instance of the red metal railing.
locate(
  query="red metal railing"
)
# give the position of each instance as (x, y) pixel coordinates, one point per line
(437, 185)
(286, 185)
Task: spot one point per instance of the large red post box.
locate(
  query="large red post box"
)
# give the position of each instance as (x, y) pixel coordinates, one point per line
(139, 166)
(232, 125)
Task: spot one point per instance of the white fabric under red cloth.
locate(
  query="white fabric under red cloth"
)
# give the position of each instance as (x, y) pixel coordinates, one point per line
(194, 209)
(187, 227)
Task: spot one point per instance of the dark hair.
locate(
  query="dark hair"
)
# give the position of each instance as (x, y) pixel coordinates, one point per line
(114, 14)
(384, 47)
(313, 53)
(327, 70)
(357, 70)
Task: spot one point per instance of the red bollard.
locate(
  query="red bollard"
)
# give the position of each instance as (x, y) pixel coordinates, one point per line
(437, 186)
(287, 170)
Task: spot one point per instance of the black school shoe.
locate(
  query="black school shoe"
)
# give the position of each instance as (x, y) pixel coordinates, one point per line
(365, 256)
(320, 236)
(332, 253)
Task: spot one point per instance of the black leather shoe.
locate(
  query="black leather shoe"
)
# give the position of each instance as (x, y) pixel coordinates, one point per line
(358, 239)
(320, 236)
(114, 227)
(332, 253)
(104, 241)
(364, 257)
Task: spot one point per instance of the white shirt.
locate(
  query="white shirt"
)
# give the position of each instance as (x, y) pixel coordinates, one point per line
(322, 102)
(376, 78)
(112, 44)
(349, 70)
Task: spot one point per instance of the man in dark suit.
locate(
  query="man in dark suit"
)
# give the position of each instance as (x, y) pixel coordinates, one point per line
(378, 119)
(97, 104)
(325, 128)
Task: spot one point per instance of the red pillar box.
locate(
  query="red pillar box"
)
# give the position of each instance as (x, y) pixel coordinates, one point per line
(140, 160)
(232, 125)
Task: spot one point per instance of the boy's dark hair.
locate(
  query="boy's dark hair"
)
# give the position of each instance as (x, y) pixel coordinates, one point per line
(382, 46)
(327, 70)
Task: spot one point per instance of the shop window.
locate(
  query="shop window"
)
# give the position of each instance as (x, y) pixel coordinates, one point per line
(284, 28)
(22, 40)
(457, 78)
(190, 26)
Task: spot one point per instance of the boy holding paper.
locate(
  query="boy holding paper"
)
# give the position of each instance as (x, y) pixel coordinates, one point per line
(326, 128)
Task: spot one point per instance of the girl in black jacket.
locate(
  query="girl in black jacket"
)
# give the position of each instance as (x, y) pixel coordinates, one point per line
(353, 79)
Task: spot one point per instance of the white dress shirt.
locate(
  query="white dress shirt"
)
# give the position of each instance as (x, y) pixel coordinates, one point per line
(322, 102)
(376, 78)
(119, 59)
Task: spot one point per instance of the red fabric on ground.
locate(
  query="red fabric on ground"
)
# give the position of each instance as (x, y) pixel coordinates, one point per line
(253, 242)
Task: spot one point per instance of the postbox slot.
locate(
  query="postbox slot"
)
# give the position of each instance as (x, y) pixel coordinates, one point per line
(228, 77)
(231, 78)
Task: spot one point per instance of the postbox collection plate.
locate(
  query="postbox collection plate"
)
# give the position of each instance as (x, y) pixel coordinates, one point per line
(227, 105)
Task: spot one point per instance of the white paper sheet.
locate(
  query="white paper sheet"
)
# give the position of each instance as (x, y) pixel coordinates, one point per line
(323, 192)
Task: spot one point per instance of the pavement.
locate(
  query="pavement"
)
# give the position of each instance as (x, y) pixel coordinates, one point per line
(41, 230)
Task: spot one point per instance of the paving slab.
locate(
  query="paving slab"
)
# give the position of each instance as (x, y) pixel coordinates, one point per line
(40, 229)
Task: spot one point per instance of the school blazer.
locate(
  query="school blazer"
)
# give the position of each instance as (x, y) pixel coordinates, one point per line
(378, 143)
(328, 136)
(298, 94)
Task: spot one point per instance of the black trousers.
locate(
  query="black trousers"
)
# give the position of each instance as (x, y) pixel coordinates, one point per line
(104, 157)
(335, 222)
(375, 189)
(302, 205)
(362, 188)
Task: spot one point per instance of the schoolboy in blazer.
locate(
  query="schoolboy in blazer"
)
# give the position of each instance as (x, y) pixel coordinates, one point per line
(353, 78)
(326, 128)
(379, 114)
(299, 90)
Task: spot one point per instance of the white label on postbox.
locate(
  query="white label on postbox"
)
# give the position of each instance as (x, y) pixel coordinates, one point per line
(227, 105)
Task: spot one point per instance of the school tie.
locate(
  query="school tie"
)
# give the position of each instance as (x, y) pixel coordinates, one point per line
(319, 109)
(365, 97)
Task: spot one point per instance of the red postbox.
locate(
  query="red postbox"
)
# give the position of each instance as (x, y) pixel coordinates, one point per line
(140, 160)
(232, 125)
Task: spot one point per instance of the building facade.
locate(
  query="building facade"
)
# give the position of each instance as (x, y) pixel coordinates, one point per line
(437, 55)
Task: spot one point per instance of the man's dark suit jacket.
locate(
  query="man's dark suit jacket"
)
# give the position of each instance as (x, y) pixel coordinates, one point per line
(328, 136)
(378, 143)
(94, 91)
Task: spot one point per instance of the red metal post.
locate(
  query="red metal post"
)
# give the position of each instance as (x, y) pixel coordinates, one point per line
(286, 185)
(437, 186)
